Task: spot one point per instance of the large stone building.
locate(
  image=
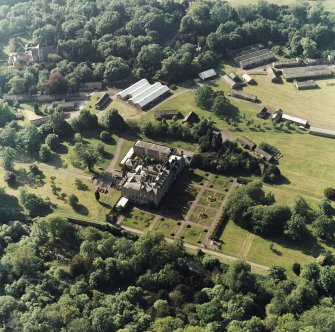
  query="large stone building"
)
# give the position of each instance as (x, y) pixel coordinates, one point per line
(147, 184)
(156, 152)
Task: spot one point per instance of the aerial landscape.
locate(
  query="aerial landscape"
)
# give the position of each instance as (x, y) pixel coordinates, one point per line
(167, 165)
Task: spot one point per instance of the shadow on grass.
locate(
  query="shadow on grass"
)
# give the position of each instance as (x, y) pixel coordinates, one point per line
(23, 177)
(81, 209)
(62, 149)
(105, 205)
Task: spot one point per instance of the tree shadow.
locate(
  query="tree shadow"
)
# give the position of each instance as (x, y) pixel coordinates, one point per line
(81, 209)
(23, 177)
(55, 160)
(62, 149)
(105, 205)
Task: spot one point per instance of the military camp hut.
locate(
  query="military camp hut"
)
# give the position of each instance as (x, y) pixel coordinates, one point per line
(103, 101)
(244, 96)
(246, 143)
(191, 118)
(263, 154)
(234, 77)
(151, 97)
(305, 85)
(165, 114)
(307, 72)
(272, 75)
(322, 132)
(248, 79)
(263, 113)
(296, 120)
(286, 64)
(255, 58)
(207, 74)
(230, 82)
(129, 92)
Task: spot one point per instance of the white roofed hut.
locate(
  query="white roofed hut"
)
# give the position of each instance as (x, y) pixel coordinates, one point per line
(207, 74)
(296, 120)
(229, 81)
(146, 92)
(125, 94)
(248, 79)
(149, 99)
(322, 132)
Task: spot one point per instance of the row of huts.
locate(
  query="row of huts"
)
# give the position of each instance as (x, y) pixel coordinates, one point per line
(250, 145)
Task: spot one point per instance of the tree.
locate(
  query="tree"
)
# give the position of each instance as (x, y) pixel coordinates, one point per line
(105, 136)
(85, 121)
(52, 141)
(116, 69)
(45, 35)
(86, 154)
(148, 129)
(32, 203)
(149, 58)
(73, 200)
(329, 193)
(277, 273)
(6, 114)
(310, 47)
(204, 97)
(56, 83)
(29, 140)
(45, 154)
(97, 195)
(114, 121)
(324, 227)
(295, 228)
(7, 158)
(102, 320)
(325, 207)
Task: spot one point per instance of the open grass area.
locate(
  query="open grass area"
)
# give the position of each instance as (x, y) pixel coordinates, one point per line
(64, 158)
(220, 182)
(211, 199)
(317, 106)
(167, 227)
(107, 205)
(193, 234)
(329, 4)
(87, 208)
(138, 219)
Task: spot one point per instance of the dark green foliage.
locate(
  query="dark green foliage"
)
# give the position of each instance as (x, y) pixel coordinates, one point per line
(329, 193)
(113, 121)
(84, 122)
(32, 203)
(271, 174)
(52, 141)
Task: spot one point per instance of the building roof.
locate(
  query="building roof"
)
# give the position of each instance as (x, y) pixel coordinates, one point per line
(207, 74)
(256, 57)
(322, 132)
(246, 142)
(139, 90)
(191, 117)
(146, 92)
(271, 74)
(263, 154)
(122, 202)
(165, 113)
(234, 77)
(252, 54)
(243, 95)
(246, 49)
(228, 80)
(129, 154)
(305, 84)
(286, 64)
(153, 146)
(306, 72)
(125, 93)
(247, 78)
(103, 99)
(294, 119)
(154, 95)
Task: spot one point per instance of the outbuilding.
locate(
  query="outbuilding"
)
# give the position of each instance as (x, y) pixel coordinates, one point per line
(207, 74)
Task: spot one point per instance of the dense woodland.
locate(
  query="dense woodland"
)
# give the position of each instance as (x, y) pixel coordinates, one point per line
(57, 277)
(114, 40)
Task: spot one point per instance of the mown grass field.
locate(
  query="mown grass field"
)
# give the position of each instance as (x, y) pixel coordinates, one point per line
(329, 4)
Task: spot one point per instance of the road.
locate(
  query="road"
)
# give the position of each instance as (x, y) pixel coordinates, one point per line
(111, 167)
(226, 258)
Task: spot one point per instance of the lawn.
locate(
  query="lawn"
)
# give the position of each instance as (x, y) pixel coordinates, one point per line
(138, 219)
(329, 4)
(107, 205)
(212, 199)
(167, 227)
(63, 157)
(220, 182)
(87, 208)
(193, 234)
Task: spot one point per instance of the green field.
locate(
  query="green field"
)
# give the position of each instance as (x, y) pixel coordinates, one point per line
(193, 234)
(138, 219)
(167, 227)
(329, 4)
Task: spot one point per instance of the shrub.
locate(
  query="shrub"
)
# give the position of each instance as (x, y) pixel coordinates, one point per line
(80, 185)
(52, 141)
(72, 200)
(105, 136)
(45, 153)
(329, 193)
(296, 268)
